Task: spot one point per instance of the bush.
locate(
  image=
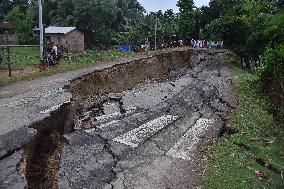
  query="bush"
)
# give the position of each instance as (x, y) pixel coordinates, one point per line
(272, 76)
(281, 113)
(273, 58)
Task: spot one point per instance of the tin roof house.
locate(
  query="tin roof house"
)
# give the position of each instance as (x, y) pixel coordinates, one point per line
(69, 37)
(6, 26)
(7, 34)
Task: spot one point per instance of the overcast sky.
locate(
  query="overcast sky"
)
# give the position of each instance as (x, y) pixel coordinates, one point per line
(155, 5)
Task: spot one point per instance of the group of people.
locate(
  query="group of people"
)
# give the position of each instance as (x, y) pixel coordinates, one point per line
(206, 44)
(161, 43)
(176, 41)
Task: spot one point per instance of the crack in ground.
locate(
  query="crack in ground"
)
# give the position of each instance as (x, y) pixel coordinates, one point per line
(100, 98)
(120, 103)
(259, 160)
(221, 100)
(9, 153)
(107, 148)
(165, 151)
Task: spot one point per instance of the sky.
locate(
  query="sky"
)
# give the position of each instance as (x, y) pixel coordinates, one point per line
(155, 5)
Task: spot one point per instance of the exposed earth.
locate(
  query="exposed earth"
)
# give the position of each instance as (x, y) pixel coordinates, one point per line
(144, 122)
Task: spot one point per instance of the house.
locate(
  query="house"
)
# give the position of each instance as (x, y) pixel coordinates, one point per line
(69, 37)
(7, 36)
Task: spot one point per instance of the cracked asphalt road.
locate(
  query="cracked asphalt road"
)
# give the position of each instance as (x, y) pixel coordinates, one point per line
(154, 136)
(27, 103)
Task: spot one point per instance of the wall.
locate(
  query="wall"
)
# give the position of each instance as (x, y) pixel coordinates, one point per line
(75, 39)
(9, 39)
(57, 39)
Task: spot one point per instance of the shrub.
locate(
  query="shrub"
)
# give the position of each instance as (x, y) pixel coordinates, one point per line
(272, 75)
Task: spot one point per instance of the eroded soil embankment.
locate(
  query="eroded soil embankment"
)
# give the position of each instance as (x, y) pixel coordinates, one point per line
(93, 88)
(40, 164)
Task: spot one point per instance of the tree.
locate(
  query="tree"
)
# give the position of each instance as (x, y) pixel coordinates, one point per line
(48, 7)
(187, 17)
(169, 23)
(23, 20)
(100, 21)
(7, 5)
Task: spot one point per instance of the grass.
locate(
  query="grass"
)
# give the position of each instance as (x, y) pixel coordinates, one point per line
(253, 155)
(87, 58)
(24, 56)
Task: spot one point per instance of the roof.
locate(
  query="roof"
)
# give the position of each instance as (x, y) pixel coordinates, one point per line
(57, 30)
(6, 25)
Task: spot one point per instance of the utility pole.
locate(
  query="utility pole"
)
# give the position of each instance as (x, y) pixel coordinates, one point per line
(156, 25)
(40, 28)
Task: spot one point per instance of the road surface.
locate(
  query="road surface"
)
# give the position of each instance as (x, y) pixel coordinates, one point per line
(150, 134)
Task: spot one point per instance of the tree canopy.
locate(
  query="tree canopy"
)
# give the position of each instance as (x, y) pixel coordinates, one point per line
(187, 17)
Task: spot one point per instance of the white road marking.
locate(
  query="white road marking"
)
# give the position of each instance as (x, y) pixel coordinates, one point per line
(108, 124)
(101, 126)
(134, 137)
(188, 144)
(114, 115)
(34, 99)
(5, 92)
(108, 116)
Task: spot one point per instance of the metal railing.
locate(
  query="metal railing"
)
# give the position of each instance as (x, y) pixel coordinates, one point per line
(19, 56)
(12, 55)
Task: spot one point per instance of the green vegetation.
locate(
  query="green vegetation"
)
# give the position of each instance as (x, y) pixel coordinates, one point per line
(272, 74)
(254, 31)
(22, 17)
(87, 58)
(21, 57)
(251, 154)
(187, 17)
(104, 23)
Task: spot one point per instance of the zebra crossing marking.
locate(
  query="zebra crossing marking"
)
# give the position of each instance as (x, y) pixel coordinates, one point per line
(134, 137)
(188, 143)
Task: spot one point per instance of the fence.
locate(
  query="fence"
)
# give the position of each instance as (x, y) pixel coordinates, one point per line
(13, 57)
(16, 56)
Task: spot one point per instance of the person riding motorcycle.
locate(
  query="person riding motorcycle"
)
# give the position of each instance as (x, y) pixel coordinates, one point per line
(53, 53)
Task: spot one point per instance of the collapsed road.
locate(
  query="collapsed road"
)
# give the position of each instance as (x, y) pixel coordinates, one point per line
(141, 123)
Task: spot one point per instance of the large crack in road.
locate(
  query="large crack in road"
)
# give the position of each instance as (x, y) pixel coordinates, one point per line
(142, 126)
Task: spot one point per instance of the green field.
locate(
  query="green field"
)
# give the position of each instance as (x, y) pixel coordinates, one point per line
(24, 56)
(78, 61)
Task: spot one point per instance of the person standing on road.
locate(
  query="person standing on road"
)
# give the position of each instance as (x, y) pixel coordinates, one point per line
(192, 42)
(54, 52)
(147, 45)
(53, 49)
